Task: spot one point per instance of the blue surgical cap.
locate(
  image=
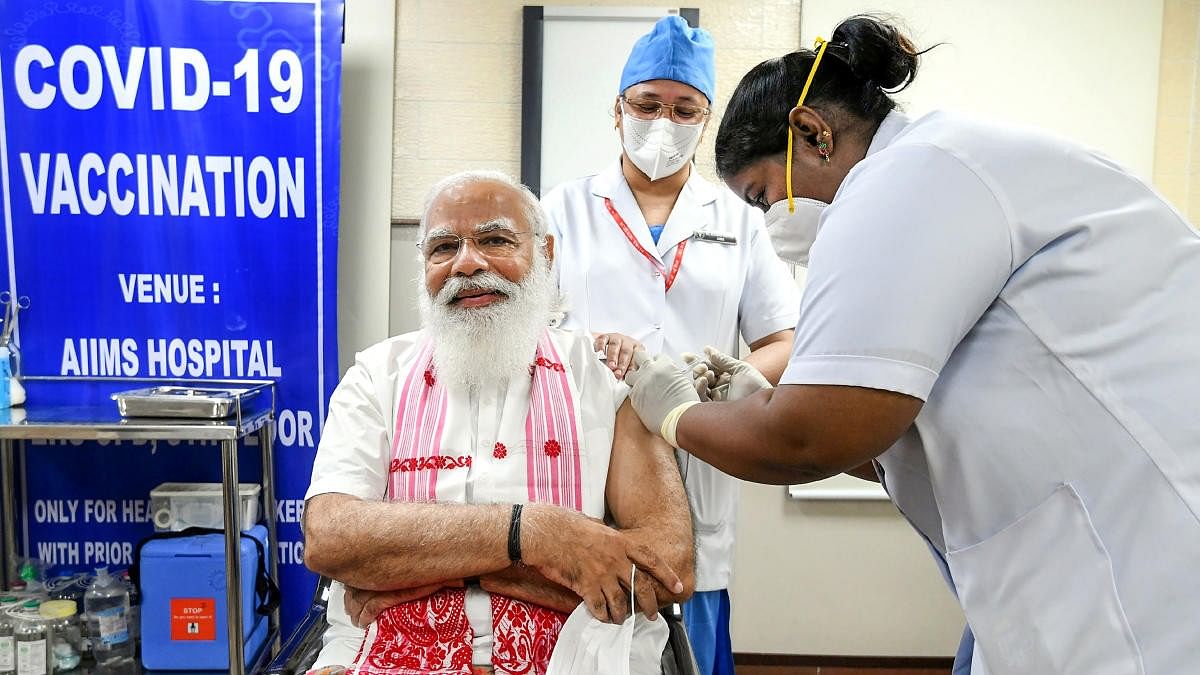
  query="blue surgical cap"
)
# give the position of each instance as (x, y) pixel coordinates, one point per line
(672, 50)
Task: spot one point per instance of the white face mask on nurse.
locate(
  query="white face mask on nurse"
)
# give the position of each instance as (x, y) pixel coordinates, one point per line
(816, 174)
(793, 232)
(661, 123)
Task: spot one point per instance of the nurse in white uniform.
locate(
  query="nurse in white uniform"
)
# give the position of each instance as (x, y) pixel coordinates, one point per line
(1006, 323)
(650, 249)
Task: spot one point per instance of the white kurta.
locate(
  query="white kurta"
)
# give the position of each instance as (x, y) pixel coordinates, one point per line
(1043, 302)
(720, 290)
(356, 446)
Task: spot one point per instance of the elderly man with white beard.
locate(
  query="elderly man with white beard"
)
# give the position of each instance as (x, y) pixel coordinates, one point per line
(466, 471)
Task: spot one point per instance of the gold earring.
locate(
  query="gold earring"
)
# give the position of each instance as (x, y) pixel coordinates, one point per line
(823, 147)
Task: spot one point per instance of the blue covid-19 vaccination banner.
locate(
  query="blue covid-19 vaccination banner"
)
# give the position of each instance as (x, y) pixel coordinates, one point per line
(170, 183)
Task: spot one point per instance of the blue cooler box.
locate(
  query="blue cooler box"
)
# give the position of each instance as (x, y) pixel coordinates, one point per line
(183, 602)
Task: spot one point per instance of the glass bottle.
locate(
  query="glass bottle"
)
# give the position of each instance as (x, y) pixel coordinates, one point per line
(8, 644)
(106, 604)
(33, 647)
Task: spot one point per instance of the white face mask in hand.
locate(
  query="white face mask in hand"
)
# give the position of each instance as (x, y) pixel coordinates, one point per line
(792, 234)
(587, 646)
(659, 147)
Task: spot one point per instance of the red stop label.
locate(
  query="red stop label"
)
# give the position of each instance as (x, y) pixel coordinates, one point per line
(193, 618)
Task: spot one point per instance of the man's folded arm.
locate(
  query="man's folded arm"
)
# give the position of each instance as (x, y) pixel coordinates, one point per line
(382, 546)
(526, 583)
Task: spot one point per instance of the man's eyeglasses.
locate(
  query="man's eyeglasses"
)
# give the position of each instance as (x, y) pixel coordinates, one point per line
(496, 243)
(650, 109)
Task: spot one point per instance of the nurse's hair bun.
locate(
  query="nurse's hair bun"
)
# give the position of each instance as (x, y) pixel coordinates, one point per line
(876, 51)
(866, 61)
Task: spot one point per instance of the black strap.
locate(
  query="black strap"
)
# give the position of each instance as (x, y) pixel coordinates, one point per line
(514, 534)
(266, 591)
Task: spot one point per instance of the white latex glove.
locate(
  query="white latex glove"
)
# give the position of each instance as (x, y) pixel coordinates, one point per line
(659, 389)
(740, 378)
(710, 385)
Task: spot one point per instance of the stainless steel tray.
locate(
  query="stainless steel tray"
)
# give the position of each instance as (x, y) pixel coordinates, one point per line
(174, 401)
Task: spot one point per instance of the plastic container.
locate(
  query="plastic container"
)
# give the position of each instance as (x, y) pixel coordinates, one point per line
(32, 639)
(33, 573)
(184, 621)
(178, 506)
(6, 379)
(73, 587)
(106, 604)
(65, 634)
(21, 595)
(69, 587)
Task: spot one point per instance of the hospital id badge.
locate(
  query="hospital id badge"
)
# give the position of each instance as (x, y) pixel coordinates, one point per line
(715, 237)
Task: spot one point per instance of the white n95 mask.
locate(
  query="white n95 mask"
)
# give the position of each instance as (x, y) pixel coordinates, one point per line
(792, 234)
(659, 147)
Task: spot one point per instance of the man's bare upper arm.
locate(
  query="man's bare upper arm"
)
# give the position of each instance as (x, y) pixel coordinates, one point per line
(643, 477)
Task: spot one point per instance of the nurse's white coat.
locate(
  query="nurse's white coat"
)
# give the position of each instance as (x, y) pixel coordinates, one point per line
(1045, 304)
(719, 291)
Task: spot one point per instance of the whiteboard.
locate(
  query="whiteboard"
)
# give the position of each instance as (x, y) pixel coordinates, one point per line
(583, 50)
(841, 487)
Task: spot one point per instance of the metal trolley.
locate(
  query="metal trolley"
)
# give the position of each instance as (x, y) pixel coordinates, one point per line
(253, 412)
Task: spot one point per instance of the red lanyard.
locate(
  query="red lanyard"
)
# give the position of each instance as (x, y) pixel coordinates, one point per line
(646, 254)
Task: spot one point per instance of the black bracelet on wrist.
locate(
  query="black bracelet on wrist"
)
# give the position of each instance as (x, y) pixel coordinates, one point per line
(514, 534)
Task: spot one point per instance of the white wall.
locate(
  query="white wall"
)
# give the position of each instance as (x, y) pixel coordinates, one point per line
(1084, 68)
(368, 58)
(818, 577)
(458, 82)
(851, 578)
(405, 269)
(1177, 143)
